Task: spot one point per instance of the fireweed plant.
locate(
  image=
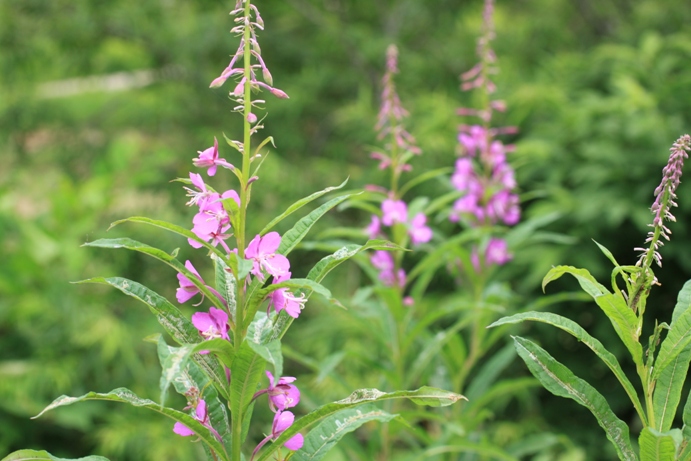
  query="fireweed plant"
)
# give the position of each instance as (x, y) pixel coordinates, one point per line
(446, 340)
(661, 364)
(223, 352)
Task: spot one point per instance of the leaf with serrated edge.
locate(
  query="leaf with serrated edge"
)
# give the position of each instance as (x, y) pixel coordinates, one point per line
(614, 306)
(299, 204)
(327, 434)
(561, 382)
(579, 333)
(34, 455)
(127, 396)
(295, 235)
(656, 446)
(171, 319)
(424, 396)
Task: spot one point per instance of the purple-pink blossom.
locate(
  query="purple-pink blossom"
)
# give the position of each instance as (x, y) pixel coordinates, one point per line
(200, 414)
(187, 289)
(262, 251)
(394, 211)
(497, 252)
(384, 263)
(283, 394)
(419, 232)
(209, 159)
(213, 324)
(282, 299)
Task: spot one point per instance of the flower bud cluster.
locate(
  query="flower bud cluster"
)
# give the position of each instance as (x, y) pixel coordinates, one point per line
(482, 173)
(665, 196)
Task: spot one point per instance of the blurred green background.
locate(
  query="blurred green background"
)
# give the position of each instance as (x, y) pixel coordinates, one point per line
(598, 88)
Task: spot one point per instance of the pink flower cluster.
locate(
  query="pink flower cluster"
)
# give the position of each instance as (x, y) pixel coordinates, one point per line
(201, 414)
(396, 212)
(282, 395)
(482, 173)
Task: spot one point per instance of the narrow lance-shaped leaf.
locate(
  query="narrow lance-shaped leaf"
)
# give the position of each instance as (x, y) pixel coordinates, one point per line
(424, 396)
(172, 228)
(271, 352)
(295, 235)
(179, 358)
(161, 255)
(676, 341)
(34, 455)
(127, 396)
(192, 378)
(226, 285)
(614, 306)
(560, 381)
(656, 446)
(332, 429)
(172, 320)
(246, 372)
(596, 346)
(299, 204)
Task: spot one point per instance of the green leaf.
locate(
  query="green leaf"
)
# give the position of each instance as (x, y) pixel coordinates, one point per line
(233, 210)
(172, 228)
(677, 340)
(426, 176)
(193, 379)
(579, 333)
(489, 372)
(127, 396)
(161, 255)
(176, 363)
(327, 434)
(295, 235)
(623, 319)
(172, 320)
(424, 396)
(299, 204)
(485, 450)
(33, 455)
(246, 372)
(226, 284)
(271, 352)
(656, 446)
(561, 382)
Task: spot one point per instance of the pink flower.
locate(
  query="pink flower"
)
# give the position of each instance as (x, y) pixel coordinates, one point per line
(187, 289)
(212, 325)
(504, 206)
(419, 232)
(282, 421)
(384, 263)
(374, 228)
(262, 250)
(201, 415)
(282, 299)
(282, 395)
(209, 159)
(212, 221)
(497, 252)
(394, 211)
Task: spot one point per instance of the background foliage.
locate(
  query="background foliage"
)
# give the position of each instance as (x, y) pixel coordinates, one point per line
(599, 91)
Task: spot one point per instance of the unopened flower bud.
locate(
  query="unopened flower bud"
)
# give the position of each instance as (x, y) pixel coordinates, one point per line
(279, 93)
(267, 76)
(251, 118)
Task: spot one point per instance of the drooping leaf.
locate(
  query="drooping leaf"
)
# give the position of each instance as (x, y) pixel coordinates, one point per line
(424, 396)
(330, 430)
(299, 204)
(614, 306)
(579, 333)
(161, 255)
(656, 446)
(295, 235)
(172, 320)
(127, 396)
(421, 178)
(193, 379)
(172, 228)
(560, 381)
(34, 455)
